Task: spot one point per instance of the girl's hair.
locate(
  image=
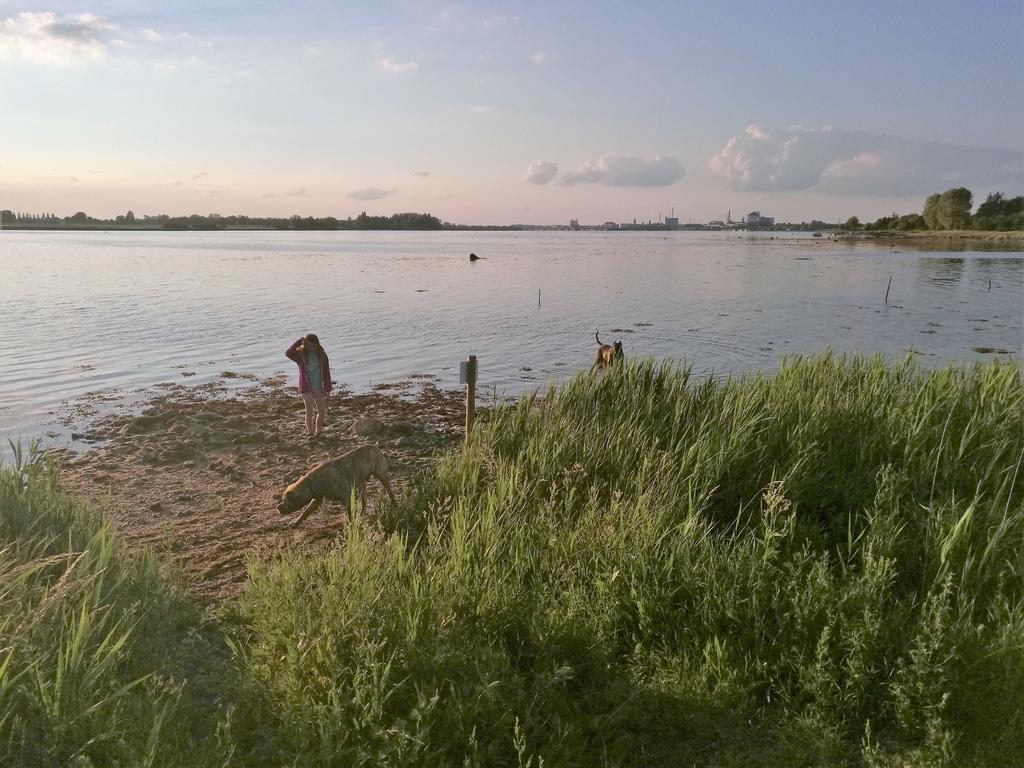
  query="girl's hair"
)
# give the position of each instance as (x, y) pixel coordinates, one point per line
(311, 338)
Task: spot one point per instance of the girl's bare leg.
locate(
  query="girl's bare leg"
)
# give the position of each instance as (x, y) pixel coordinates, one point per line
(309, 400)
(321, 411)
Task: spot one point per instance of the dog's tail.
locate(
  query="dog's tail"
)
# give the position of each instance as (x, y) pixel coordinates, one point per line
(598, 338)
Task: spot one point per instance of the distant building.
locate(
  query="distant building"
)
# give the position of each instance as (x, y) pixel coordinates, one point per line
(574, 225)
(755, 219)
(610, 225)
(671, 222)
(716, 224)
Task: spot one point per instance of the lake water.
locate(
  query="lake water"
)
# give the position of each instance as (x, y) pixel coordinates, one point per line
(81, 312)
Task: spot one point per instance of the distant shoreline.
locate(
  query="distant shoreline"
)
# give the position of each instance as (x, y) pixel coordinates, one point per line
(1013, 238)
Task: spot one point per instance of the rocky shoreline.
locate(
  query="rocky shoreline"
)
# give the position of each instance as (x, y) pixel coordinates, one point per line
(194, 476)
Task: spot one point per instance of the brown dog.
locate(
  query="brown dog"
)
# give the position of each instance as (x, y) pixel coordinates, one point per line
(607, 353)
(335, 479)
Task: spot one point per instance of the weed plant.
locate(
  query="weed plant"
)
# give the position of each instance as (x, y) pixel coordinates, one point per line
(641, 568)
(93, 641)
(818, 567)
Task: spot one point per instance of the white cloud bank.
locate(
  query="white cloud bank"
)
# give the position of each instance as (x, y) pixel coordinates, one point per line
(390, 66)
(540, 172)
(856, 162)
(625, 171)
(371, 193)
(47, 38)
(499, 21)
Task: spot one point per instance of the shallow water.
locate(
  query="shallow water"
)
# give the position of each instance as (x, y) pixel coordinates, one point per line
(89, 311)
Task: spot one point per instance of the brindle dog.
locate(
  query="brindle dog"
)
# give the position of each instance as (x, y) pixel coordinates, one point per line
(607, 353)
(335, 479)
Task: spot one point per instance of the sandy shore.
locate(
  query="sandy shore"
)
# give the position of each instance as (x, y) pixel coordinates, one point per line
(963, 239)
(194, 477)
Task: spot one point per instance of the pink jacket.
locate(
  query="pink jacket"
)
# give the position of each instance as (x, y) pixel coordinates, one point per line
(293, 353)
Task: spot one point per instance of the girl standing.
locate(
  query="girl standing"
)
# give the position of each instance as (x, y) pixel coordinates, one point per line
(314, 380)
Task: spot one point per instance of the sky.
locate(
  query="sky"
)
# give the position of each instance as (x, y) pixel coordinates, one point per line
(499, 113)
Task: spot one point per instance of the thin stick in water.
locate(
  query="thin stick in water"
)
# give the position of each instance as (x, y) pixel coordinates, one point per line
(887, 289)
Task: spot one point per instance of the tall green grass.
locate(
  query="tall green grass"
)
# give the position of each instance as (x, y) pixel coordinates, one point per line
(640, 567)
(818, 567)
(91, 638)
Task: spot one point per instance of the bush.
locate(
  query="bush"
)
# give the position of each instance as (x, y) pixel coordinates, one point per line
(640, 568)
(606, 570)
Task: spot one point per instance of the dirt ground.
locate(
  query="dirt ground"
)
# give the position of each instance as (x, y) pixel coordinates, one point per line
(196, 475)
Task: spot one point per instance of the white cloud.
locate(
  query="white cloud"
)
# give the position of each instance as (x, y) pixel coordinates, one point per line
(856, 162)
(389, 66)
(422, 174)
(538, 58)
(47, 38)
(371, 193)
(482, 109)
(499, 21)
(625, 171)
(540, 172)
(190, 39)
(152, 35)
(199, 175)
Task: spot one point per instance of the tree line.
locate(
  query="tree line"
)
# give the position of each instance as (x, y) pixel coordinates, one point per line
(946, 210)
(396, 221)
(952, 210)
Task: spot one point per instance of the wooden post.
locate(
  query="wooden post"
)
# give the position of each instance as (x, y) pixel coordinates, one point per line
(470, 393)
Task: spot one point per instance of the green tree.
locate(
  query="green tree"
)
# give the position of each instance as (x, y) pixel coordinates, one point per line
(129, 217)
(949, 210)
(931, 211)
(999, 212)
(955, 208)
(885, 222)
(911, 221)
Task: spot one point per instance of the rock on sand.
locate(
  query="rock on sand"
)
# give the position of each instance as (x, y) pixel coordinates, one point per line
(367, 425)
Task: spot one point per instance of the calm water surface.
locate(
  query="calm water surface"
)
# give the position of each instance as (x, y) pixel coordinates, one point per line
(81, 312)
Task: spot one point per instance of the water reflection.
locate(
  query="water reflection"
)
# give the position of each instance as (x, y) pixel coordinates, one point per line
(941, 270)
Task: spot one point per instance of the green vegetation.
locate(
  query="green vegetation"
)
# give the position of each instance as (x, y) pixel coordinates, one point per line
(824, 566)
(94, 645)
(81, 220)
(952, 210)
(998, 212)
